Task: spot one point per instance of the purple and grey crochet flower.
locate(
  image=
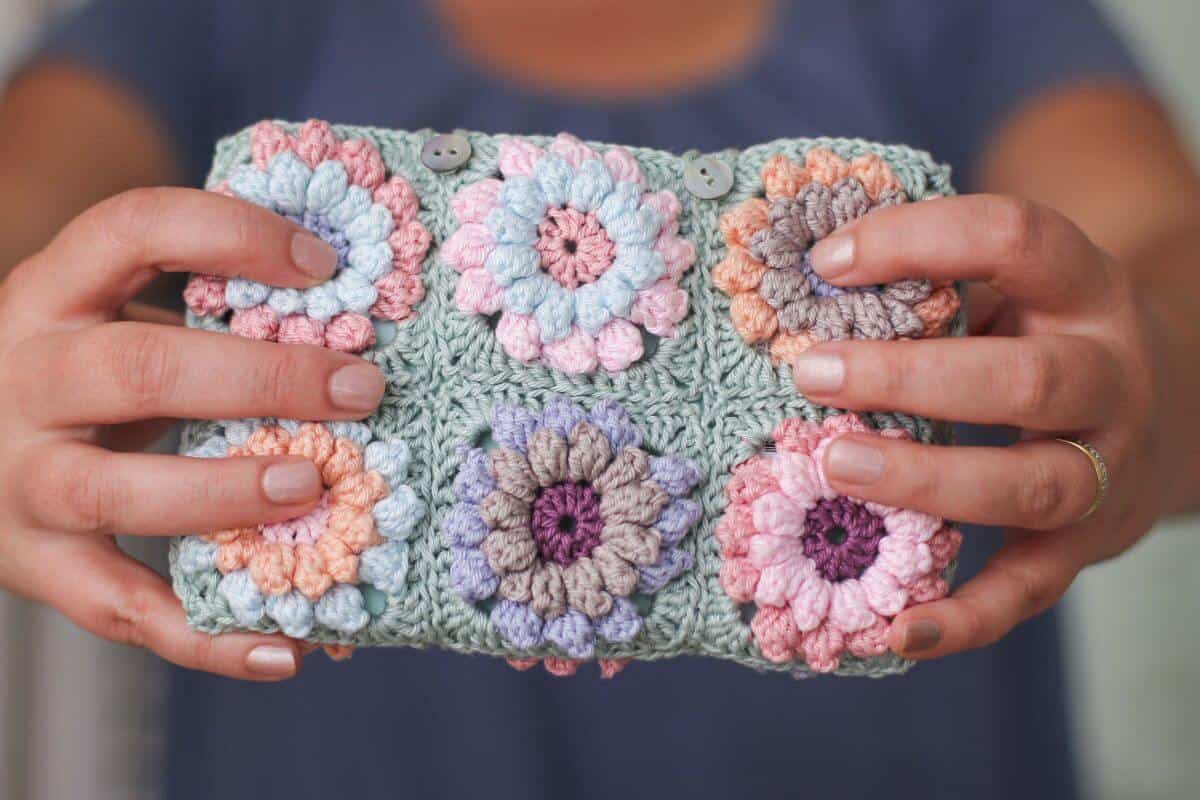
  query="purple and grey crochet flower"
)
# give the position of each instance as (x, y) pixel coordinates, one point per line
(564, 521)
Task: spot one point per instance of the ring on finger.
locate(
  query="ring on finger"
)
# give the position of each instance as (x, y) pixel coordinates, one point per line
(1098, 466)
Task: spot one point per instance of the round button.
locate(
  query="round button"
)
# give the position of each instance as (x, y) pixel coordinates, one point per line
(446, 151)
(708, 178)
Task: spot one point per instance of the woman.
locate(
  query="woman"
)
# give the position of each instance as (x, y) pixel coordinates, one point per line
(1087, 287)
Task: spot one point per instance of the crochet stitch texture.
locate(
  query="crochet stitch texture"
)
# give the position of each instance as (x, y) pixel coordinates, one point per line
(697, 394)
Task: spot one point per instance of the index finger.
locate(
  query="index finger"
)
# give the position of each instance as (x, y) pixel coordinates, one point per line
(1025, 251)
(100, 260)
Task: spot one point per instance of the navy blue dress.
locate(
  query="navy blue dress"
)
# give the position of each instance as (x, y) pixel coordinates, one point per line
(933, 74)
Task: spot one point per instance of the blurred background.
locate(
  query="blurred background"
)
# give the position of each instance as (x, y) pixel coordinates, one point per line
(78, 717)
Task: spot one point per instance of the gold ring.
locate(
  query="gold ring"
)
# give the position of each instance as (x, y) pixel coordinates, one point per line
(1100, 468)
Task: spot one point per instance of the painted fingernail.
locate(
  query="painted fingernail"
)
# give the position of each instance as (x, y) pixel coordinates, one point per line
(271, 661)
(833, 256)
(313, 256)
(815, 371)
(356, 387)
(291, 482)
(921, 635)
(854, 462)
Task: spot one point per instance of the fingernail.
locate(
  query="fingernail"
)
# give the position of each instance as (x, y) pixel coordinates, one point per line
(357, 387)
(854, 461)
(313, 256)
(818, 372)
(833, 256)
(921, 635)
(271, 661)
(291, 482)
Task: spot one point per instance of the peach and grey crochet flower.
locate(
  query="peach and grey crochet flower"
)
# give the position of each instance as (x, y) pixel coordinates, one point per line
(826, 572)
(339, 190)
(572, 252)
(778, 299)
(565, 522)
(310, 568)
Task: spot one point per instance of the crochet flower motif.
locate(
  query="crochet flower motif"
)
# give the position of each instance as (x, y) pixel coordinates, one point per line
(777, 297)
(572, 252)
(311, 568)
(563, 523)
(340, 191)
(826, 572)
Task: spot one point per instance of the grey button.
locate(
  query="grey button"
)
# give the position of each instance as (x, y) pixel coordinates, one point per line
(708, 178)
(446, 151)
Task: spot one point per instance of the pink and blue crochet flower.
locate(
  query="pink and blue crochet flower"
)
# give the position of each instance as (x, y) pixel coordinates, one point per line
(565, 522)
(320, 567)
(572, 252)
(340, 191)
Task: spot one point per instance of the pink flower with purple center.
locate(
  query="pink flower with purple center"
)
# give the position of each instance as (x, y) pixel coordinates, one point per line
(826, 572)
(340, 191)
(572, 252)
(565, 522)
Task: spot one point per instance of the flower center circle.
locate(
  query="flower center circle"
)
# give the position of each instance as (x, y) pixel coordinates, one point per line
(842, 538)
(573, 246)
(304, 529)
(319, 225)
(566, 522)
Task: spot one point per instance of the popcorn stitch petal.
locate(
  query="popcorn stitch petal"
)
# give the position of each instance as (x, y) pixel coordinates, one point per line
(622, 624)
(572, 149)
(472, 203)
(520, 337)
(590, 184)
(293, 612)
(671, 563)
(342, 609)
(618, 345)
(554, 177)
(477, 293)
(471, 578)
(517, 624)
(517, 157)
(574, 354)
(287, 183)
(462, 527)
(327, 187)
(573, 633)
(245, 601)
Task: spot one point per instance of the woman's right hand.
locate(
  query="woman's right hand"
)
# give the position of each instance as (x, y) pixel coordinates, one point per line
(77, 385)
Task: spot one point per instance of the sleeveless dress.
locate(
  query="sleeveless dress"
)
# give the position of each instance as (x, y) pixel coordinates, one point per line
(936, 75)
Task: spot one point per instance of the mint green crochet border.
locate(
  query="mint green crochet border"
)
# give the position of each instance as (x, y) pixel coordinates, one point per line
(705, 395)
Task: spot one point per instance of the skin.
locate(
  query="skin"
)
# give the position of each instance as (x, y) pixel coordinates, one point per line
(1085, 325)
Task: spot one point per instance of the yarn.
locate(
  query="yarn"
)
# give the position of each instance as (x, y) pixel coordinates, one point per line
(487, 408)
(339, 191)
(567, 246)
(825, 572)
(571, 525)
(777, 296)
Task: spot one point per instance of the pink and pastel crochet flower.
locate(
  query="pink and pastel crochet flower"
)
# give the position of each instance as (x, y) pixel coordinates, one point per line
(314, 568)
(777, 298)
(572, 252)
(339, 190)
(827, 572)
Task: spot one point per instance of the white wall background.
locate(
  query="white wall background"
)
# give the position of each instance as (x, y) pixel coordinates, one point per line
(77, 716)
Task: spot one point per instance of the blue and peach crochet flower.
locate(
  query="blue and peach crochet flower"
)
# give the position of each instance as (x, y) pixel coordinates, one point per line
(572, 252)
(314, 568)
(564, 522)
(340, 191)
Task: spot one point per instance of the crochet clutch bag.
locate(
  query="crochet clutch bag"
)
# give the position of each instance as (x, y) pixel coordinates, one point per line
(590, 447)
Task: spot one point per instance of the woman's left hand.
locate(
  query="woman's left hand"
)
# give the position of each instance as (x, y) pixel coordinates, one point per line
(1060, 346)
